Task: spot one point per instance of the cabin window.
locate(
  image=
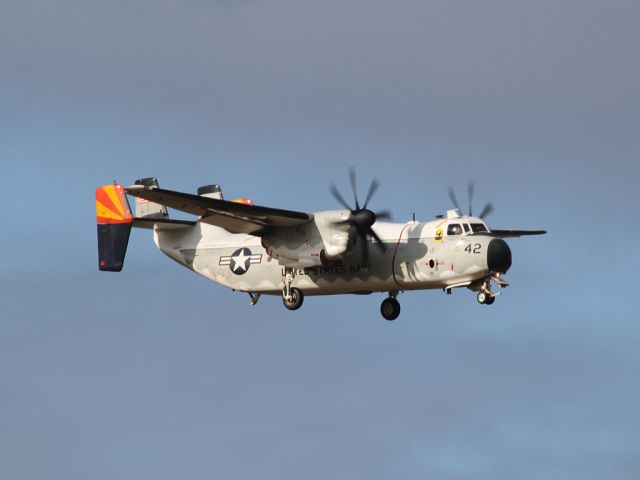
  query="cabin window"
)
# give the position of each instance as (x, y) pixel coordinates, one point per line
(478, 227)
(454, 229)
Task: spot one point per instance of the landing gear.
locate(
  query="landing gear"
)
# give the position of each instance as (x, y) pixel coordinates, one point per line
(291, 297)
(482, 297)
(486, 298)
(390, 308)
(294, 300)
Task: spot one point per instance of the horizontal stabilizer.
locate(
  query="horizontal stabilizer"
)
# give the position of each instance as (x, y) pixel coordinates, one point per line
(162, 223)
(233, 216)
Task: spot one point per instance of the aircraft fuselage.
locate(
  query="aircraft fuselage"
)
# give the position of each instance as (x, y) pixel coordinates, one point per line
(418, 256)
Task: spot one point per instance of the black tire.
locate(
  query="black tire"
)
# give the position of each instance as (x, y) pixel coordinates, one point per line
(482, 298)
(390, 308)
(297, 297)
(490, 300)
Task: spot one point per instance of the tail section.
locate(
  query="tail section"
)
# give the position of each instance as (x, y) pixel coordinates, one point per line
(114, 219)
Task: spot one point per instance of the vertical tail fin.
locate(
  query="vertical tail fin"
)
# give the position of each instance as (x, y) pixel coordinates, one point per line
(114, 219)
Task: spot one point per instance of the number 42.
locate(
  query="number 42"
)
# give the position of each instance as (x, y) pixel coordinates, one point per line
(474, 249)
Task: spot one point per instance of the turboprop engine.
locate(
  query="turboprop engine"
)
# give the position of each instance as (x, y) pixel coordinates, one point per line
(324, 239)
(331, 235)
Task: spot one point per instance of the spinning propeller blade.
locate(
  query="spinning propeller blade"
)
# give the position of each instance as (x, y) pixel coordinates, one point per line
(470, 188)
(488, 208)
(354, 189)
(336, 194)
(383, 215)
(452, 197)
(372, 189)
(361, 218)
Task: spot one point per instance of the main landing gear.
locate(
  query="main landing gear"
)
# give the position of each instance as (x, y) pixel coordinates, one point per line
(294, 300)
(390, 307)
(292, 297)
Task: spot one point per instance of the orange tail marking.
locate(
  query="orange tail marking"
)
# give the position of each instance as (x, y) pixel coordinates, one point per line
(112, 205)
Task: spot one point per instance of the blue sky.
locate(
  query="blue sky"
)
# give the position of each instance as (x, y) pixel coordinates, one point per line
(157, 373)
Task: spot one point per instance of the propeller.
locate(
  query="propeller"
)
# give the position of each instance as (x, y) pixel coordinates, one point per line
(361, 218)
(470, 188)
(488, 208)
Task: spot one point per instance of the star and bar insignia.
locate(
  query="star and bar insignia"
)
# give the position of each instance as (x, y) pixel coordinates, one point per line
(240, 260)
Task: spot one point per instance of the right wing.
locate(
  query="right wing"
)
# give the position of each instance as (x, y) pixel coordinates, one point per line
(515, 233)
(232, 216)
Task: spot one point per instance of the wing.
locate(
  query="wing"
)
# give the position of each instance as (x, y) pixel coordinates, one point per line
(516, 233)
(232, 216)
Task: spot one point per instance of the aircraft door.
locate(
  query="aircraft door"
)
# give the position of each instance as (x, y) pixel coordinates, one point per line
(410, 257)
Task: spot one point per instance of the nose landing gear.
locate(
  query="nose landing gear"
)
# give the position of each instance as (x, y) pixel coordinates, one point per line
(485, 295)
(486, 298)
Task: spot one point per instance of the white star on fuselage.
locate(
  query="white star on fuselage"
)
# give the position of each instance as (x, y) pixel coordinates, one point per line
(239, 261)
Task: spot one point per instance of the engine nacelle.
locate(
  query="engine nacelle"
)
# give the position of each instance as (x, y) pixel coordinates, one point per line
(337, 238)
(289, 252)
(323, 240)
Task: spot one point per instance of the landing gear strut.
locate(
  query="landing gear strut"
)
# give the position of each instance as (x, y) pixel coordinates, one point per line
(390, 307)
(292, 297)
(485, 295)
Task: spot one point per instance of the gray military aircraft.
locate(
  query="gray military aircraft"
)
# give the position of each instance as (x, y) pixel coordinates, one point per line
(261, 250)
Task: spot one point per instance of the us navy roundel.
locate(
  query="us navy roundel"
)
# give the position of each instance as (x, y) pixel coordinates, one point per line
(240, 260)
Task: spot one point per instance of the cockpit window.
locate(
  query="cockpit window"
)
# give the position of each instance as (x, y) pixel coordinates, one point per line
(454, 229)
(478, 227)
(466, 227)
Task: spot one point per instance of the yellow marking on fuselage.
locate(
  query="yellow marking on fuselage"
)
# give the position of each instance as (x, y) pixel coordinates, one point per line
(438, 238)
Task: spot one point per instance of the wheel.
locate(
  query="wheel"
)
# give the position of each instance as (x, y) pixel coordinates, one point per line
(296, 299)
(490, 299)
(482, 297)
(390, 308)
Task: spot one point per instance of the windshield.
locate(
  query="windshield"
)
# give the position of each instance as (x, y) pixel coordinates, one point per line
(454, 229)
(478, 227)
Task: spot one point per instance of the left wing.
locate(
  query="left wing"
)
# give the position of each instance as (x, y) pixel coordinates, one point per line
(516, 233)
(232, 216)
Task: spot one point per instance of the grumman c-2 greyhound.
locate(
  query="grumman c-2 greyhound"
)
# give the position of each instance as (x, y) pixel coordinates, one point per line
(262, 250)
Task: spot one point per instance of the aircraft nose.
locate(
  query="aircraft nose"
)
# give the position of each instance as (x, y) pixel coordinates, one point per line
(498, 256)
